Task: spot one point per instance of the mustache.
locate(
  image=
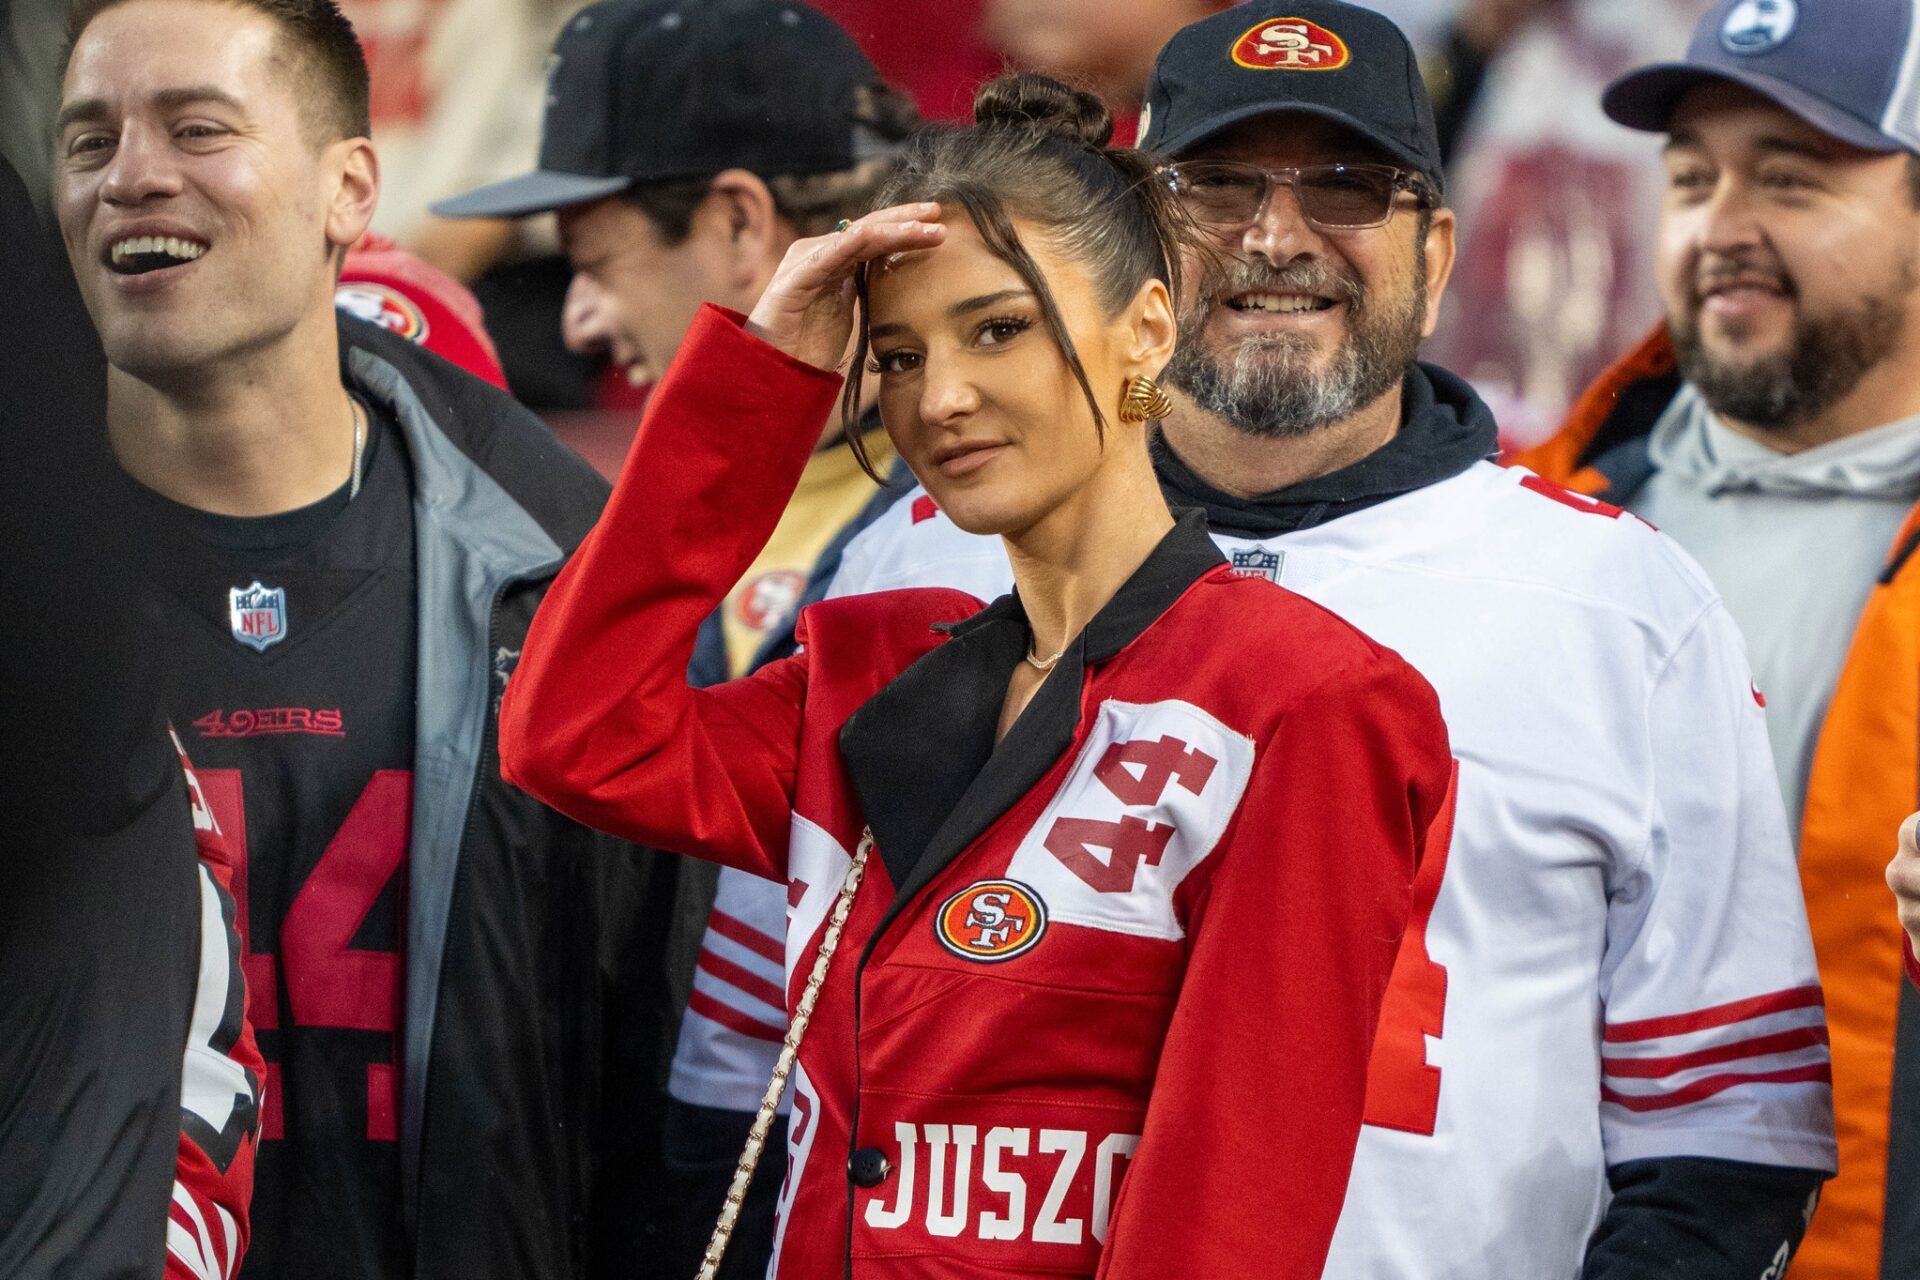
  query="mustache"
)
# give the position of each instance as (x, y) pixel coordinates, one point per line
(1740, 269)
(1242, 276)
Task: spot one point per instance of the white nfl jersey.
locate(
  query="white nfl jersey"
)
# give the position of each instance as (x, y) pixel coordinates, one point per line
(737, 1014)
(1614, 963)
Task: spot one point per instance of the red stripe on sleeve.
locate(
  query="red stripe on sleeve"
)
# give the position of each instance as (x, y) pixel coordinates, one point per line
(1758, 1046)
(751, 938)
(1719, 1015)
(745, 979)
(1701, 1089)
(732, 1019)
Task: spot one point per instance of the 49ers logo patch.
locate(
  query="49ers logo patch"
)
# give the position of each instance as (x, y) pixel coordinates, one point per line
(1290, 44)
(384, 306)
(991, 920)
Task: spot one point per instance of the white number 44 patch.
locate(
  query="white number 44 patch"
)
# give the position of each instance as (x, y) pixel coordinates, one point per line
(1144, 804)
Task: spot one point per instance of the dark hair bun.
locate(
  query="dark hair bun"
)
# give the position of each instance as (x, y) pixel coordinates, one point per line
(1041, 104)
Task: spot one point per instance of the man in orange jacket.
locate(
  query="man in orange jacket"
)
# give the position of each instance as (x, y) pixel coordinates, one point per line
(1772, 425)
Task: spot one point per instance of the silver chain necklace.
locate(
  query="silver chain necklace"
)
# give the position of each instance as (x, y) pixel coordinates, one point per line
(1042, 664)
(359, 446)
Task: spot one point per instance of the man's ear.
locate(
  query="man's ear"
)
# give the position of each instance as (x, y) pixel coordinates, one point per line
(739, 221)
(1440, 254)
(354, 167)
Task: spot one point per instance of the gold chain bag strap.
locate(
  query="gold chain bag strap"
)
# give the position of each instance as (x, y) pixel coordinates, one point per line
(796, 1028)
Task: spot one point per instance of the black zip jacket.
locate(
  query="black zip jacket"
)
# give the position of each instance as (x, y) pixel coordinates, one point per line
(537, 1024)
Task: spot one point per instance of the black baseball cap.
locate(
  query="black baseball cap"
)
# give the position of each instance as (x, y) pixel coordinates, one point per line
(1320, 58)
(1846, 67)
(655, 90)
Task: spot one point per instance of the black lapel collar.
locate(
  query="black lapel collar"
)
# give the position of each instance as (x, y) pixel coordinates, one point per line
(921, 754)
(912, 749)
(1037, 739)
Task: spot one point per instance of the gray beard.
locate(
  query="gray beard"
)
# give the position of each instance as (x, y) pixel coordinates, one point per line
(1270, 387)
(1824, 363)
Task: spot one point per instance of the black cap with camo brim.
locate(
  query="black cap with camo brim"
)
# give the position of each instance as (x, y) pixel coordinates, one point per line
(659, 90)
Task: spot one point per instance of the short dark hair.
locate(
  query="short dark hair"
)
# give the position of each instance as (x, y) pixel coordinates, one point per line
(335, 94)
(810, 202)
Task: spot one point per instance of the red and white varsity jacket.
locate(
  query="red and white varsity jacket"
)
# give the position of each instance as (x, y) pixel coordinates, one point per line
(1105, 1001)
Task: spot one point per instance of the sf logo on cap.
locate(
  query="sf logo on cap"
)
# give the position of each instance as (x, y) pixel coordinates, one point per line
(1290, 44)
(991, 920)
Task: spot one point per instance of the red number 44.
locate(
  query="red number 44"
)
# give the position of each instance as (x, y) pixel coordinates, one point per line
(329, 982)
(1131, 841)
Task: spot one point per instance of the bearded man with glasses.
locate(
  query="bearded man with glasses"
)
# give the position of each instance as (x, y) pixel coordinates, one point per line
(1328, 349)
(1603, 1052)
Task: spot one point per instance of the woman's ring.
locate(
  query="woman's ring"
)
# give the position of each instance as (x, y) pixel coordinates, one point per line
(842, 225)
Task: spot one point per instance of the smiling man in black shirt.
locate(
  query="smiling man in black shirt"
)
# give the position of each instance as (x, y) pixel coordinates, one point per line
(295, 641)
(454, 988)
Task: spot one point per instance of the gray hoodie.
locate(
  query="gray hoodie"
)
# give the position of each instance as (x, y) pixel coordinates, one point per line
(1793, 541)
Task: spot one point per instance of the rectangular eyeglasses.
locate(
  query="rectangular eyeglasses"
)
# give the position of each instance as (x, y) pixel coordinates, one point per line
(1224, 197)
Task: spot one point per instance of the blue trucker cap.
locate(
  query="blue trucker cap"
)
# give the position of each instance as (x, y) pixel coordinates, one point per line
(1849, 68)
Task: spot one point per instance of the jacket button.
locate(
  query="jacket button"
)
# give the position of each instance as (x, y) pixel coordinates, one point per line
(868, 1167)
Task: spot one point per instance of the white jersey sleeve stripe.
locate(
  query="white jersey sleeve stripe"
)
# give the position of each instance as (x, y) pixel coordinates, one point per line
(774, 949)
(1797, 1050)
(752, 961)
(1756, 1047)
(732, 1019)
(1693, 1042)
(1716, 1015)
(1700, 1090)
(748, 1005)
(742, 979)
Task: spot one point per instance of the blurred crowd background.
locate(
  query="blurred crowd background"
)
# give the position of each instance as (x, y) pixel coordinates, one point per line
(1557, 203)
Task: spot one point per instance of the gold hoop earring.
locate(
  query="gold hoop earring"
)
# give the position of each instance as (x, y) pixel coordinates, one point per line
(1144, 400)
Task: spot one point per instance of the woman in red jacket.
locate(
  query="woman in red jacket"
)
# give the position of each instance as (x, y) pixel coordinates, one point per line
(1137, 841)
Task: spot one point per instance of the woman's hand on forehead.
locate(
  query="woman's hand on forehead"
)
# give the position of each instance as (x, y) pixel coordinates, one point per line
(807, 308)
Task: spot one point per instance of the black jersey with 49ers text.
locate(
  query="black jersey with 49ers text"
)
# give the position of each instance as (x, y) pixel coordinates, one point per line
(293, 637)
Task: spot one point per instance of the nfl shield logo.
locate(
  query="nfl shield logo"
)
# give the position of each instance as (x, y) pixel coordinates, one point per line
(258, 615)
(1257, 562)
